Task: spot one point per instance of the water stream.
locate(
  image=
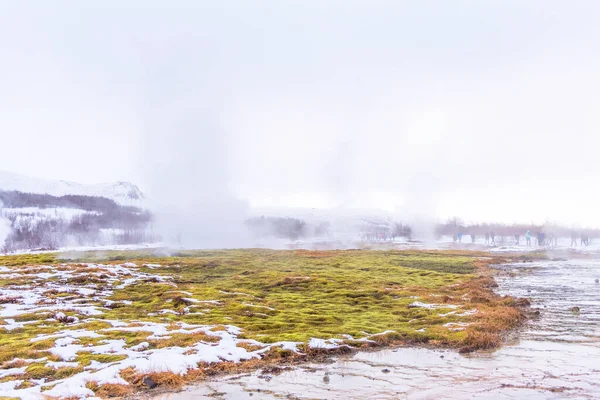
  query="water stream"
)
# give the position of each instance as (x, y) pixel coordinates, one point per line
(556, 355)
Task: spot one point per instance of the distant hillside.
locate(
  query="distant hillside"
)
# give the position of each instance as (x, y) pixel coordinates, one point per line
(45, 214)
(124, 193)
(42, 221)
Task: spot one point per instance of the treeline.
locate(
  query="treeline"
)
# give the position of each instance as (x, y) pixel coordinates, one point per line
(52, 234)
(295, 229)
(455, 226)
(285, 228)
(102, 222)
(386, 231)
(16, 199)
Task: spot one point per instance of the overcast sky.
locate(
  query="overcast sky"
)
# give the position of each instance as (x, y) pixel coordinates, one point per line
(488, 110)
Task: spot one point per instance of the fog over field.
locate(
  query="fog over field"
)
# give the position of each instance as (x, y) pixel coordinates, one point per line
(333, 199)
(426, 110)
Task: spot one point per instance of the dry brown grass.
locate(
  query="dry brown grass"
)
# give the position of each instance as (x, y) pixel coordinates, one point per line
(313, 253)
(168, 379)
(132, 376)
(87, 270)
(316, 353)
(65, 319)
(219, 328)
(179, 301)
(499, 319)
(84, 279)
(293, 281)
(249, 346)
(183, 340)
(110, 390)
(496, 315)
(476, 340)
(14, 364)
(9, 300)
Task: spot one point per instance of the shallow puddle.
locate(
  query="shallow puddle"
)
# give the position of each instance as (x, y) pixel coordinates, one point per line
(557, 355)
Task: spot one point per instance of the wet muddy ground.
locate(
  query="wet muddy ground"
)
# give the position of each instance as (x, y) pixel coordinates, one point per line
(556, 355)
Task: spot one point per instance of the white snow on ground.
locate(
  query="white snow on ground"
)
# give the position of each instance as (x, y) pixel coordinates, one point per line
(11, 324)
(258, 306)
(61, 364)
(456, 326)
(71, 334)
(12, 371)
(77, 249)
(467, 313)
(178, 360)
(291, 346)
(81, 302)
(180, 291)
(418, 304)
(236, 293)
(57, 292)
(32, 299)
(324, 344)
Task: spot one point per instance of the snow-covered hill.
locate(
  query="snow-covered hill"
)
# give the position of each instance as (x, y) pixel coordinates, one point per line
(124, 193)
(34, 215)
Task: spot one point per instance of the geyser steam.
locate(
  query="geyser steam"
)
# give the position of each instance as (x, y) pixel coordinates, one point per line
(187, 181)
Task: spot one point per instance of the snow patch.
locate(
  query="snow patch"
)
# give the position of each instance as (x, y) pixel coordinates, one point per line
(418, 304)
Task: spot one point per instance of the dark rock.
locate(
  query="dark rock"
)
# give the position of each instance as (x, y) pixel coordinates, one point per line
(575, 309)
(274, 370)
(326, 379)
(149, 382)
(523, 302)
(385, 371)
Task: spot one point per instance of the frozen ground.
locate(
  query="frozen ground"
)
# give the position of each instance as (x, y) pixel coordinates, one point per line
(77, 249)
(58, 330)
(507, 245)
(556, 356)
(84, 304)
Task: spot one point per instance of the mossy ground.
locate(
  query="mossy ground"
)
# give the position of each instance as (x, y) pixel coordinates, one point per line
(275, 296)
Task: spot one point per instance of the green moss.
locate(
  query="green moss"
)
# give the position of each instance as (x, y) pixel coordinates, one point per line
(39, 371)
(271, 295)
(28, 259)
(295, 295)
(85, 359)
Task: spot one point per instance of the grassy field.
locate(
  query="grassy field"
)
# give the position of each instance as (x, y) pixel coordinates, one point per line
(102, 322)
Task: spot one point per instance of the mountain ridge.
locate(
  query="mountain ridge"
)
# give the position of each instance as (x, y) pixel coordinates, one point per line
(124, 193)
